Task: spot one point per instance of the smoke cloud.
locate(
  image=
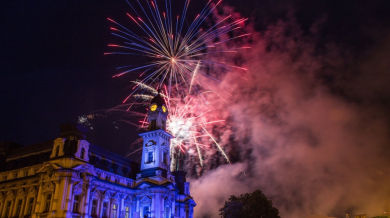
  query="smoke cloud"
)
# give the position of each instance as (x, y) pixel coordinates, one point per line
(309, 126)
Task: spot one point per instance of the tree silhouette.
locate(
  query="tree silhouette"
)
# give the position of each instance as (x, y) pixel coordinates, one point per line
(249, 205)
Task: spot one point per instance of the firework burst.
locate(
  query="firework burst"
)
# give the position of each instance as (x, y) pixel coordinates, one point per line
(188, 123)
(173, 52)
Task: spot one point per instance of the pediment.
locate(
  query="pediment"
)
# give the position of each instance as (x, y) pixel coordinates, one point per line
(86, 168)
(20, 192)
(144, 186)
(48, 167)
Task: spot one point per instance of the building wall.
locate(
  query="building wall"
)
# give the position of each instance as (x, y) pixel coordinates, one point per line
(74, 186)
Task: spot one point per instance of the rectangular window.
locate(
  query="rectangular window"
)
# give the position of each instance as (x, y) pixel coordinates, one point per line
(105, 205)
(7, 209)
(165, 158)
(167, 212)
(94, 207)
(150, 156)
(15, 175)
(76, 203)
(18, 207)
(146, 211)
(25, 173)
(47, 203)
(114, 211)
(29, 206)
(4, 177)
(127, 212)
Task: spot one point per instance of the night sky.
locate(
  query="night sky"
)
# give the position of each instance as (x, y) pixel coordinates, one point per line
(53, 68)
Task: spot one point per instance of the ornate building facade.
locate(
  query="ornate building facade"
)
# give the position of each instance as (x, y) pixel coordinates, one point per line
(69, 177)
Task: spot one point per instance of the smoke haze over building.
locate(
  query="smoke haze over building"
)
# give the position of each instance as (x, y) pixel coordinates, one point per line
(312, 123)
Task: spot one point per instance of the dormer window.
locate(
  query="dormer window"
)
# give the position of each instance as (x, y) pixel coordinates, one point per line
(165, 158)
(57, 151)
(82, 153)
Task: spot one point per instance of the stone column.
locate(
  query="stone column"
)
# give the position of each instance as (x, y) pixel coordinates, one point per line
(86, 202)
(68, 213)
(53, 207)
(2, 207)
(37, 208)
(122, 206)
(173, 207)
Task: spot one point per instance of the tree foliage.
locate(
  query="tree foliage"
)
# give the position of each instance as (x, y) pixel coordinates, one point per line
(249, 205)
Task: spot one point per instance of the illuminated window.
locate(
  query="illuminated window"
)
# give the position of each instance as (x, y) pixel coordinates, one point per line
(127, 212)
(76, 203)
(47, 203)
(25, 173)
(29, 206)
(150, 156)
(105, 212)
(115, 211)
(94, 207)
(18, 207)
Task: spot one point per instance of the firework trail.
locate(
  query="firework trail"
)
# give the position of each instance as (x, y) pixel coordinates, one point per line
(188, 122)
(174, 53)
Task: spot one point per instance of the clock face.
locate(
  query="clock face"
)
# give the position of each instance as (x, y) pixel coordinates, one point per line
(164, 109)
(153, 107)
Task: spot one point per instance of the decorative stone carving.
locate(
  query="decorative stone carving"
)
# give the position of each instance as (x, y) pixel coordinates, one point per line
(32, 190)
(158, 173)
(20, 192)
(58, 146)
(48, 186)
(10, 194)
(146, 200)
(82, 144)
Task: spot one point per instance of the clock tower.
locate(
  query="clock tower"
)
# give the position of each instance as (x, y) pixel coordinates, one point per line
(156, 141)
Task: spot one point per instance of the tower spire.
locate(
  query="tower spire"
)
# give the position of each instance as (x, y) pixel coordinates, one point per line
(156, 141)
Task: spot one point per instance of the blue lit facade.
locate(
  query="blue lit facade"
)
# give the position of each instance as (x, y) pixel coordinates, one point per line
(69, 177)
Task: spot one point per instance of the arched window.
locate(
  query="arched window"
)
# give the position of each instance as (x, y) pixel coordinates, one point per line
(57, 151)
(153, 124)
(82, 153)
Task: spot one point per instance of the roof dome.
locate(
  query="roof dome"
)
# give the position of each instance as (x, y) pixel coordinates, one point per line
(158, 99)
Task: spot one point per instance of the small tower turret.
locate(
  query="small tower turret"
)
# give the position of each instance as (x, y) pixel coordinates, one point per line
(156, 141)
(158, 113)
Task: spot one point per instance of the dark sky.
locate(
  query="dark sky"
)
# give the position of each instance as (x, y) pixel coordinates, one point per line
(53, 68)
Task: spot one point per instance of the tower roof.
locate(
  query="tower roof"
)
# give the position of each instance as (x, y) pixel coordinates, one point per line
(158, 99)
